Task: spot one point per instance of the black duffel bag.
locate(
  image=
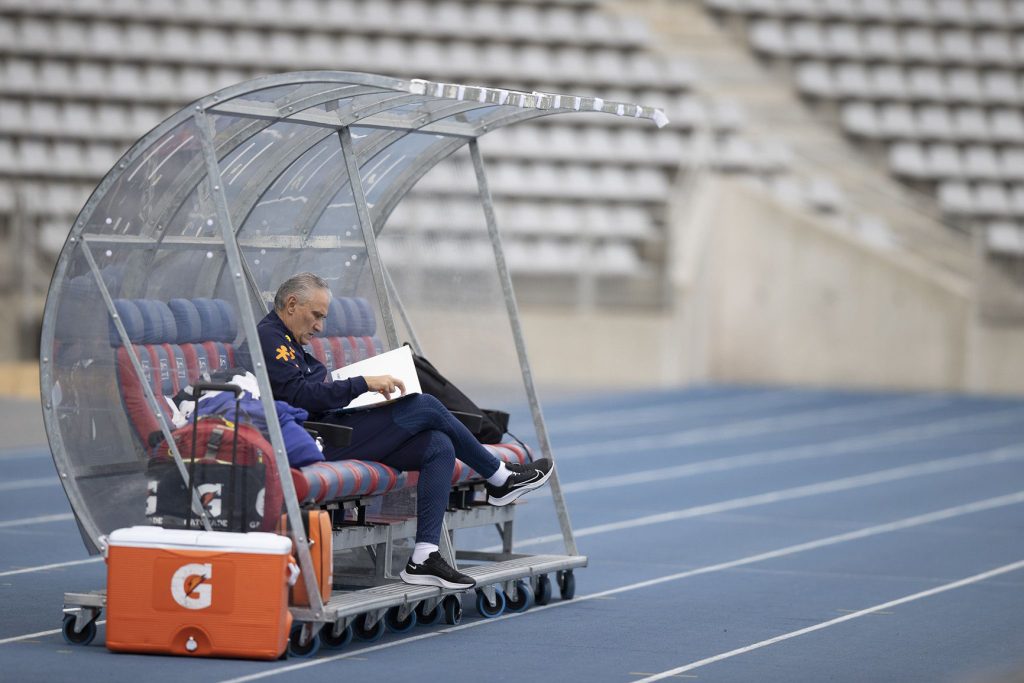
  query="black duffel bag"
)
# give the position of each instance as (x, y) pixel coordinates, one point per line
(488, 426)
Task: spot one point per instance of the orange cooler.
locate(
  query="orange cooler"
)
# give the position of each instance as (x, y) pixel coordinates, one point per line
(198, 593)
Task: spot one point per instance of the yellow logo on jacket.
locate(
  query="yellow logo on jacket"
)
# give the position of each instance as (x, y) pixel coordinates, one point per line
(284, 353)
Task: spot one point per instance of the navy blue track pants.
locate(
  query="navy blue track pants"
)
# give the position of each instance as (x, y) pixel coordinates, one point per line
(415, 434)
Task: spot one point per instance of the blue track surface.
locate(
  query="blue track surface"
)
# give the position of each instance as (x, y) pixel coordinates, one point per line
(734, 534)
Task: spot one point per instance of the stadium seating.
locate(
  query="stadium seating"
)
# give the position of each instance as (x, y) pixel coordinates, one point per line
(935, 83)
(79, 81)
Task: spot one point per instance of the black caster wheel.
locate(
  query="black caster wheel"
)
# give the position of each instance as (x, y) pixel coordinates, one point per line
(542, 591)
(432, 617)
(395, 626)
(452, 606)
(305, 651)
(484, 607)
(83, 637)
(567, 584)
(335, 642)
(524, 598)
(370, 635)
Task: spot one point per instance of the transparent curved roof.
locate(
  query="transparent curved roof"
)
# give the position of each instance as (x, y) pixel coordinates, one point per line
(226, 199)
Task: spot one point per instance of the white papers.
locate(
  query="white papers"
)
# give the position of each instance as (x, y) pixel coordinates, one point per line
(397, 363)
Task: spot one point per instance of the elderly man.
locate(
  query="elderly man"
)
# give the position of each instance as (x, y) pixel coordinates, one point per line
(416, 433)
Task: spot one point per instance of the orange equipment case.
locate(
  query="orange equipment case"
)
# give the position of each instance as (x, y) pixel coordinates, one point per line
(198, 593)
(317, 525)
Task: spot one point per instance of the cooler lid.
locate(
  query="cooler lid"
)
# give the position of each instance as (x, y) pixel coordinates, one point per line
(257, 542)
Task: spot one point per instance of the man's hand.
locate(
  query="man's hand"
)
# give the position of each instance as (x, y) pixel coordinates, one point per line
(384, 384)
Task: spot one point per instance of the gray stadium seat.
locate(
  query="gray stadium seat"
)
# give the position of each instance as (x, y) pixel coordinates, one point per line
(969, 123)
(952, 12)
(1000, 87)
(913, 11)
(881, 42)
(918, 45)
(876, 10)
(852, 80)
(1017, 200)
(897, 121)
(805, 38)
(991, 199)
(990, 13)
(769, 36)
(888, 82)
(838, 9)
(944, 161)
(824, 195)
(963, 86)
(815, 78)
(995, 48)
(1007, 125)
(980, 162)
(956, 198)
(957, 46)
(926, 84)
(859, 119)
(1011, 163)
(907, 159)
(934, 122)
(843, 41)
(1004, 237)
(800, 9)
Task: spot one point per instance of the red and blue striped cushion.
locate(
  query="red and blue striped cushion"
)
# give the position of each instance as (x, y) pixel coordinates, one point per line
(328, 481)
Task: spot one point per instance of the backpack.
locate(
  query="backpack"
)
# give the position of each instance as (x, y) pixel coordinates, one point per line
(243, 494)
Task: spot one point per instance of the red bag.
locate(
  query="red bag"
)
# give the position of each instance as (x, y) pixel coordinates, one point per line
(238, 486)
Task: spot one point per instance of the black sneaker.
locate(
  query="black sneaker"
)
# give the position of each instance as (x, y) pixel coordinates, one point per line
(435, 572)
(522, 480)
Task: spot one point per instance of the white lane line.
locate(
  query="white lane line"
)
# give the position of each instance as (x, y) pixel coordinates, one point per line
(732, 405)
(888, 527)
(40, 634)
(47, 567)
(756, 427)
(35, 482)
(789, 453)
(977, 578)
(959, 462)
(25, 521)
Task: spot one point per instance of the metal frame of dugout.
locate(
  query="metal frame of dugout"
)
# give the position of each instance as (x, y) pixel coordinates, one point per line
(386, 113)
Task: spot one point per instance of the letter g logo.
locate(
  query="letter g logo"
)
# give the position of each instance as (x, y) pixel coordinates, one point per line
(189, 588)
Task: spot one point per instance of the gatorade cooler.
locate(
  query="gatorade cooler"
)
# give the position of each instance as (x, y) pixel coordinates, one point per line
(198, 593)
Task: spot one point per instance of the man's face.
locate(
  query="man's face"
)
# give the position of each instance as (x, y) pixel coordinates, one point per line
(305, 320)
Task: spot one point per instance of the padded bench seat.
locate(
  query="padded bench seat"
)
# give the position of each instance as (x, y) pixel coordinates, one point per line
(335, 480)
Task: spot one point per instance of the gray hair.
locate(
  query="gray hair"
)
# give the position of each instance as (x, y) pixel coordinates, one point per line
(302, 286)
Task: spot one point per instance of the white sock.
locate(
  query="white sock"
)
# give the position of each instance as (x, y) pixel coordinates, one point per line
(500, 476)
(422, 551)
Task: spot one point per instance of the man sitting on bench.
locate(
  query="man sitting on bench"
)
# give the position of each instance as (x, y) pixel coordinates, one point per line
(416, 433)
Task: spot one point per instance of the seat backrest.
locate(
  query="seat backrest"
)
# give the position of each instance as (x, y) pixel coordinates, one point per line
(175, 342)
(349, 334)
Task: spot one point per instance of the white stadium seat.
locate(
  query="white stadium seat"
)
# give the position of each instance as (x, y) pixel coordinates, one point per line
(934, 122)
(956, 198)
(897, 121)
(980, 162)
(907, 159)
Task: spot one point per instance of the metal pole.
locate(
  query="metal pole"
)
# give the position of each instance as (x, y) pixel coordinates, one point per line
(517, 334)
(393, 292)
(248, 320)
(369, 238)
(144, 381)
